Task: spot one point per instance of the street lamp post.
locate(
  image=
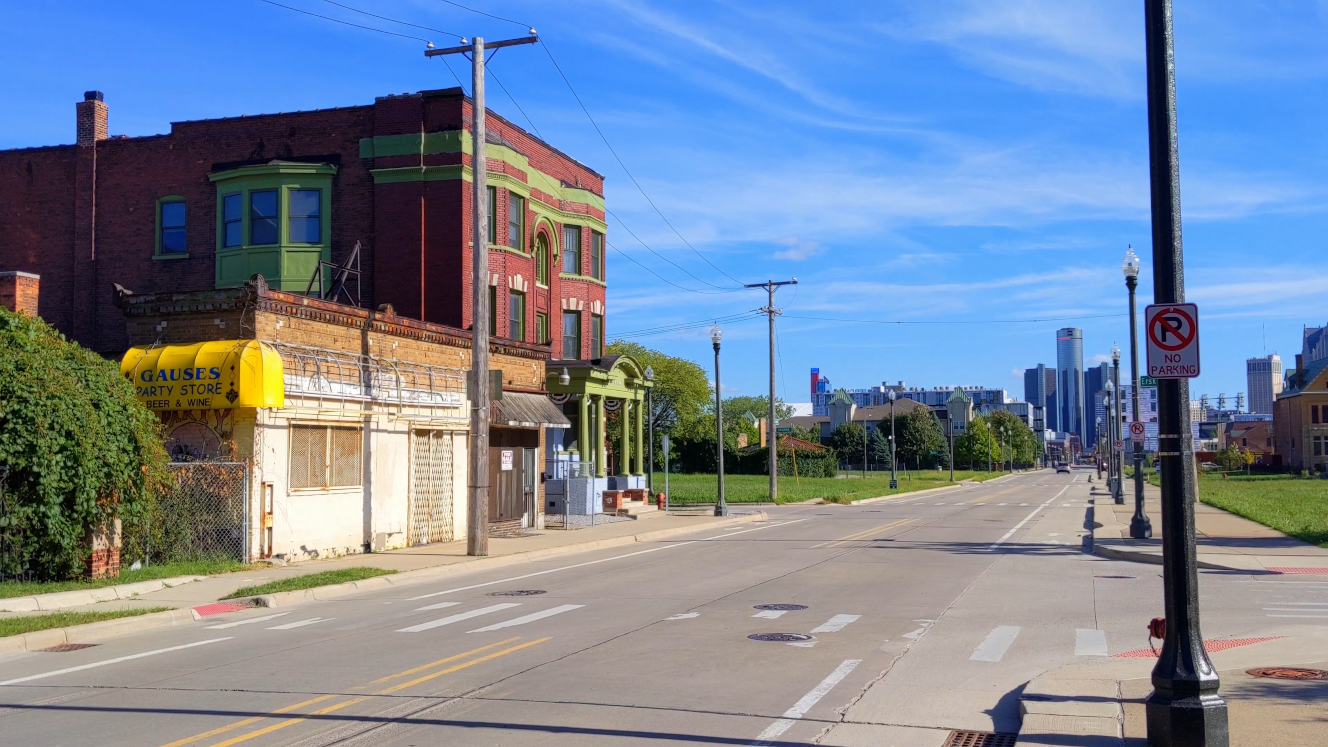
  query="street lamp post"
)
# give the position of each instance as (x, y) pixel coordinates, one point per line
(1140, 526)
(894, 482)
(1098, 459)
(1184, 707)
(1116, 436)
(721, 507)
(1109, 455)
(650, 432)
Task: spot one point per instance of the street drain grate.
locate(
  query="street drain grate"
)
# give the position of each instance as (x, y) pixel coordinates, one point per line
(979, 739)
(62, 648)
(780, 637)
(518, 593)
(1288, 673)
(781, 607)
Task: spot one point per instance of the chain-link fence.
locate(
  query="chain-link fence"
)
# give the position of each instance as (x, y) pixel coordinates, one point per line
(203, 516)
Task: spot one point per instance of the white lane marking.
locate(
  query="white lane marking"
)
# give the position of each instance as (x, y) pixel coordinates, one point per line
(1316, 617)
(802, 644)
(458, 617)
(116, 660)
(439, 606)
(1297, 604)
(940, 504)
(1002, 504)
(1023, 504)
(238, 623)
(601, 560)
(683, 616)
(998, 641)
(770, 614)
(835, 624)
(302, 623)
(799, 709)
(918, 633)
(532, 617)
(1090, 642)
(1018, 526)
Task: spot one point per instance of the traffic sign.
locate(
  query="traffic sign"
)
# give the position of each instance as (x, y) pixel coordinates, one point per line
(1137, 432)
(1120, 445)
(1173, 340)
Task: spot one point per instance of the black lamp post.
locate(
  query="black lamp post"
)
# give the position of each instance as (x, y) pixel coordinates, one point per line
(1117, 455)
(721, 507)
(650, 432)
(1140, 527)
(894, 482)
(1184, 707)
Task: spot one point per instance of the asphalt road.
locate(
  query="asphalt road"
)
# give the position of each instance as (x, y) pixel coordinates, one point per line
(927, 611)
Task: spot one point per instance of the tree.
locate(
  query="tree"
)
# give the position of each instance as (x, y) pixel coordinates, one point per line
(921, 440)
(1014, 439)
(1230, 458)
(758, 406)
(682, 393)
(811, 435)
(848, 441)
(878, 446)
(976, 447)
(80, 448)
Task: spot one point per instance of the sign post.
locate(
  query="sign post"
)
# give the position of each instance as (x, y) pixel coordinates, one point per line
(1137, 432)
(1173, 340)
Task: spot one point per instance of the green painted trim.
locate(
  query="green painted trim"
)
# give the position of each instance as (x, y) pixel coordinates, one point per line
(587, 278)
(285, 265)
(381, 146)
(505, 248)
(157, 253)
(417, 174)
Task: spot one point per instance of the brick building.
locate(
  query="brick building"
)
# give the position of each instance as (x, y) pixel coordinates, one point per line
(216, 201)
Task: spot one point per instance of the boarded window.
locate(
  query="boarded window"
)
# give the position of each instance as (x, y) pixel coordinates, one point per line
(323, 457)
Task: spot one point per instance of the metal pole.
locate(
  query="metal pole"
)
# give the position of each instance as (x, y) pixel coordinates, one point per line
(864, 450)
(650, 441)
(666, 472)
(1117, 435)
(477, 535)
(772, 312)
(1140, 526)
(894, 482)
(721, 508)
(951, 450)
(1184, 707)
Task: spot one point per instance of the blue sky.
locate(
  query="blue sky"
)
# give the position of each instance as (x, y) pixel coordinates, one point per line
(946, 161)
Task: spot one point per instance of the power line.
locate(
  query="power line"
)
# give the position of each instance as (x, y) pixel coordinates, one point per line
(392, 20)
(730, 319)
(512, 98)
(666, 259)
(661, 277)
(490, 15)
(346, 23)
(461, 85)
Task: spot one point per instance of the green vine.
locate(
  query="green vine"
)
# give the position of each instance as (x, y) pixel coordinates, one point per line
(80, 449)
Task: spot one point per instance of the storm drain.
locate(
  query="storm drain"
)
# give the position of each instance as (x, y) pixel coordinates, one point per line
(979, 739)
(62, 648)
(518, 593)
(1288, 673)
(781, 607)
(780, 637)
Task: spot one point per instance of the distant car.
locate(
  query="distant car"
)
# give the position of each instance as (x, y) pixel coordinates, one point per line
(1063, 468)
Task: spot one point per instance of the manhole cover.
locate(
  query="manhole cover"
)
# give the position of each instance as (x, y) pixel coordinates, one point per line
(1288, 673)
(781, 607)
(780, 637)
(979, 739)
(517, 593)
(62, 648)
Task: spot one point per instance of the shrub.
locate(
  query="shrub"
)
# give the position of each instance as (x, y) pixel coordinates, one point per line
(80, 448)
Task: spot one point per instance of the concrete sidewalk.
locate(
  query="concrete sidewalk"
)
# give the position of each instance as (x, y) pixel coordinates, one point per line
(1224, 541)
(1101, 704)
(427, 560)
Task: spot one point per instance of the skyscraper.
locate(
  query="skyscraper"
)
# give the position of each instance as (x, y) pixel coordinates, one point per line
(1264, 379)
(1070, 384)
(1095, 382)
(1040, 391)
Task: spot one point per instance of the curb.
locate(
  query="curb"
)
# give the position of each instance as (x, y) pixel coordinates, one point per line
(420, 575)
(1136, 556)
(77, 597)
(880, 498)
(94, 631)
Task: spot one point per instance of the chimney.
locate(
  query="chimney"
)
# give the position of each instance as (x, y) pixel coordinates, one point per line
(18, 291)
(91, 118)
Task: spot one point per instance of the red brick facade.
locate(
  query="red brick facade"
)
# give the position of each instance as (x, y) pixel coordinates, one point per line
(84, 216)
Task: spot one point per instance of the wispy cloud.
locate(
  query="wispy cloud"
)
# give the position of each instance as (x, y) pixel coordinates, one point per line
(797, 249)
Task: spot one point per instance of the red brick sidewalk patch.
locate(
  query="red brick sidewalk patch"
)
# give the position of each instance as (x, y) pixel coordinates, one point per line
(1221, 644)
(218, 608)
(1297, 570)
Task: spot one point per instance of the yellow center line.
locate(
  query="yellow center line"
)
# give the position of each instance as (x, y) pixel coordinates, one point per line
(387, 691)
(861, 535)
(993, 495)
(430, 665)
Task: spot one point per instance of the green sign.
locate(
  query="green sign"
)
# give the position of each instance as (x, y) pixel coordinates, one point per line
(1147, 381)
(787, 429)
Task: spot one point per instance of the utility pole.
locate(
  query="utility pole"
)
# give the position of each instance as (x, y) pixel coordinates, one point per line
(1184, 707)
(477, 515)
(771, 437)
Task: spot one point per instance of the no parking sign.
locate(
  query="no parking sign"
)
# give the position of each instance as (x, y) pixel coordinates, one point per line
(1173, 340)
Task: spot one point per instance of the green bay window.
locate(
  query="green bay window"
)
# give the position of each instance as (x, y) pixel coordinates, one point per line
(274, 220)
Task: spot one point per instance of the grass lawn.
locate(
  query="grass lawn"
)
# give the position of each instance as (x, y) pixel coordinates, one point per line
(201, 568)
(33, 623)
(690, 489)
(311, 580)
(1291, 505)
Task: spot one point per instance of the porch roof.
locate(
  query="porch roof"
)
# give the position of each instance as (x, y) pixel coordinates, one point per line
(614, 376)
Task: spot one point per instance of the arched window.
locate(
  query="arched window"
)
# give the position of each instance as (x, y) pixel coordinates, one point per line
(542, 258)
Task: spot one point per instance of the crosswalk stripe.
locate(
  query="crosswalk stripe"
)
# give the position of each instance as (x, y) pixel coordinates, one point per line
(530, 618)
(238, 623)
(997, 642)
(770, 614)
(301, 623)
(683, 616)
(1090, 642)
(439, 606)
(835, 624)
(459, 617)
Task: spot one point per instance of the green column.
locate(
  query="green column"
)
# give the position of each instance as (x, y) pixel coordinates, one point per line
(583, 428)
(638, 426)
(625, 441)
(600, 422)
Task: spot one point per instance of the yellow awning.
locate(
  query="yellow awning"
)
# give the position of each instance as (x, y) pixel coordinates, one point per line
(217, 375)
